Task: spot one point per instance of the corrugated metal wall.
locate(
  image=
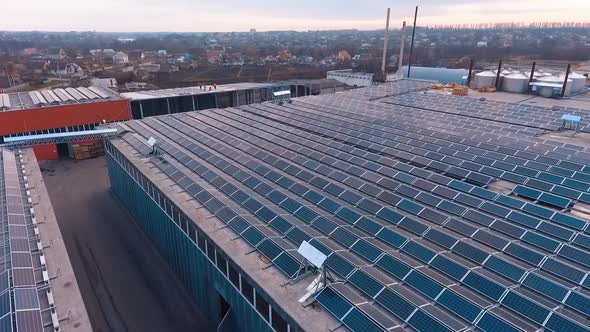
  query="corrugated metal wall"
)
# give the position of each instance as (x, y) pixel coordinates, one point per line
(36, 119)
(191, 265)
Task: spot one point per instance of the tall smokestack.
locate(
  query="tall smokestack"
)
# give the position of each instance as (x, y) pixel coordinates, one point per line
(385, 42)
(412, 44)
(401, 50)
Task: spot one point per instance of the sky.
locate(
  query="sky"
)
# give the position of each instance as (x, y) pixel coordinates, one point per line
(265, 15)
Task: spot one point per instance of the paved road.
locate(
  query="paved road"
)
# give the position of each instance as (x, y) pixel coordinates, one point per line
(125, 285)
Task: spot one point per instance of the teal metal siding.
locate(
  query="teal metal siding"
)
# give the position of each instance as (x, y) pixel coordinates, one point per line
(196, 271)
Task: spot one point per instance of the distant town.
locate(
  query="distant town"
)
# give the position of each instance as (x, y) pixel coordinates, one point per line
(140, 61)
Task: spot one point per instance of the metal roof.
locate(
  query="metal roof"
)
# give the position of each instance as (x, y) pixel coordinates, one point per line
(395, 186)
(195, 90)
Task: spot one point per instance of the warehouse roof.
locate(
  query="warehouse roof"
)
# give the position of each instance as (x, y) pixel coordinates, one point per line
(436, 212)
(55, 97)
(37, 284)
(194, 90)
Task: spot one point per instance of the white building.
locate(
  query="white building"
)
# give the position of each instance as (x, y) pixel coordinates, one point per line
(109, 83)
(120, 58)
(162, 53)
(150, 67)
(348, 77)
(108, 52)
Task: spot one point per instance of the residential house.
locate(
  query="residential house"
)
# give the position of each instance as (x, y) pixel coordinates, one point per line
(120, 58)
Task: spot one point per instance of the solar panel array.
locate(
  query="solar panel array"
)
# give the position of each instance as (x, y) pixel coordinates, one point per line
(58, 96)
(389, 89)
(24, 286)
(404, 213)
(511, 113)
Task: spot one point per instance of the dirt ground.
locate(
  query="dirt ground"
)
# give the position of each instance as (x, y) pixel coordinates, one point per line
(125, 284)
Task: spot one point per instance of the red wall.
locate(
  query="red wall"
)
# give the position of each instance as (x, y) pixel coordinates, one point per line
(19, 121)
(46, 152)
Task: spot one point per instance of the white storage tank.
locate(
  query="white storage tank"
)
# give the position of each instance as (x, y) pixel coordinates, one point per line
(517, 83)
(578, 82)
(485, 78)
(548, 91)
(544, 73)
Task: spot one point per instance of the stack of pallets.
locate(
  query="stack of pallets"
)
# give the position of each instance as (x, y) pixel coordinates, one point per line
(87, 150)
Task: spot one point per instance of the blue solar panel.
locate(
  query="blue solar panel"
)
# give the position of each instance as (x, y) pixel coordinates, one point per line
(365, 283)
(394, 266)
(253, 236)
(459, 305)
(409, 206)
(560, 323)
(484, 286)
(339, 265)
(491, 323)
(525, 254)
(357, 321)
(423, 322)
(280, 224)
(333, 302)
(348, 215)
(545, 286)
(289, 265)
(366, 250)
(504, 268)
(449, 267)
(565, 271)
(418, 251)
(471, 252)
(413, 226)
(390, 237)
(525, 307)
(396, 304)
(423, 284)
(540, 241)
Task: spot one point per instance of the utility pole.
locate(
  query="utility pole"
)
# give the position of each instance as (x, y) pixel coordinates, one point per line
(401, 50)
(412, 45)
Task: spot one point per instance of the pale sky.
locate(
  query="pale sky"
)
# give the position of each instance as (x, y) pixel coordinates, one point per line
(301, 15)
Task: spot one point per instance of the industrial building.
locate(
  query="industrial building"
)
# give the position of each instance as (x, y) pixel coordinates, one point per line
(38, 289)
(59, 111)
(435, 212)
(180, 100)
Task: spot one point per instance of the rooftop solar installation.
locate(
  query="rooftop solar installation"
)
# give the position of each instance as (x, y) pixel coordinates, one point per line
(23, 290)
(403, 207)
(511, 113)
